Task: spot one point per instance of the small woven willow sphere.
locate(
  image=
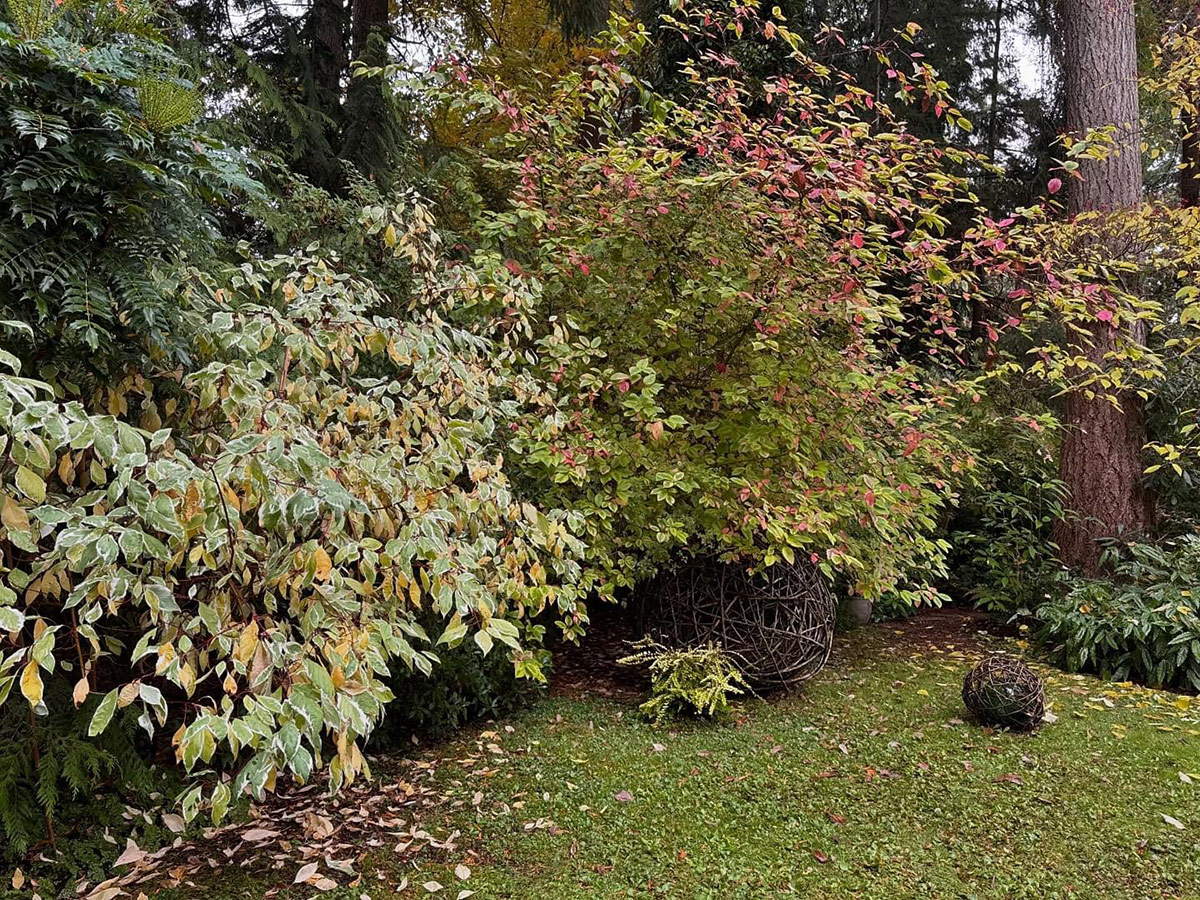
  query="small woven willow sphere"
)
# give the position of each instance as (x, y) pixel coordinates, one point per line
(1004, 691)
(777, 623)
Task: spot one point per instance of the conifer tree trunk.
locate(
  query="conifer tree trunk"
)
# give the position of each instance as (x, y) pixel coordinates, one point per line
(1189, 138)
(1101, 460)
(1189, 175)
(370, 141)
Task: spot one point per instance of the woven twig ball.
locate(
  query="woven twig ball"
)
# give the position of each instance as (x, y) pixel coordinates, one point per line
(778, 623)
(1004, 691)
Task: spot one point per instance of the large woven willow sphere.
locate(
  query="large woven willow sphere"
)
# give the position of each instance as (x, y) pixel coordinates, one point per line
(1004, 691)
(778, 623)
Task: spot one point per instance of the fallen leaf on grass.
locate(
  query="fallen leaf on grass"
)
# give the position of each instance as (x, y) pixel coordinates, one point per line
(623, 797)
(259, 834)
(820, 857)
(306, 872)
(461, 872)
(132, 854)
(1009, 778)
(1172, 821)
(432, 886)
(174, 822)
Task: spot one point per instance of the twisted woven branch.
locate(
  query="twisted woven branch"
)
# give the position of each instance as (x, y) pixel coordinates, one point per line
(1004, 691)
(779, 623)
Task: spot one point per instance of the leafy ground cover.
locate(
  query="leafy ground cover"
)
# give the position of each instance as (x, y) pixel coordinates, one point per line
(868, 784)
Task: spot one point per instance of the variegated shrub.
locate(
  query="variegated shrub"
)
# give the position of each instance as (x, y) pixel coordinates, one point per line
(246, 563)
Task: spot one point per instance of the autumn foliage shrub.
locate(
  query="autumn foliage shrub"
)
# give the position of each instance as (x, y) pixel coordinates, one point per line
(715, 299)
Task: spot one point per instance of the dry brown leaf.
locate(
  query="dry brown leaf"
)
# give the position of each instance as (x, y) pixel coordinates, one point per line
(132, 854)
(259, 834)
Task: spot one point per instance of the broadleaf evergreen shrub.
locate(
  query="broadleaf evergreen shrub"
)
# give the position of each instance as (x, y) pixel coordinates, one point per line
(464, 686)
(1142, 625)
(108, 180)
(1001, 530)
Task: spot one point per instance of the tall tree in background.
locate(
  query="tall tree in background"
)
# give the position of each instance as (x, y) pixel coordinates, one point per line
(1189, 139)
(1101, 460)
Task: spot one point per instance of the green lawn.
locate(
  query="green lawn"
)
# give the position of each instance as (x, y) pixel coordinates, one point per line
(866, 784)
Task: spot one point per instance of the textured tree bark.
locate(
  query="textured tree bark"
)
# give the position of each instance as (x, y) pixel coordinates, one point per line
(1101, 460)
(371, 133)
(1189, 175)
(367, 16)
(328, 53)
(327, 22)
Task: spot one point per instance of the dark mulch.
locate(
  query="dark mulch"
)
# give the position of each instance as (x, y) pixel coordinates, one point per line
(591, 668)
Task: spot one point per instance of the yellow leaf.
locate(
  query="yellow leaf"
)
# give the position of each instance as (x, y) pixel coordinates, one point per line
(187, 678)
(247, 641)
(193, 504)
(66, 469)
(14, 516)
(128, 694)
(31, 684)
(324, 564)
(166, 655)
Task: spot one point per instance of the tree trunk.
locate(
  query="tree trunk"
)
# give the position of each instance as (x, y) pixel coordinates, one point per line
(367, 16)
(1189, 175)
(372, 133)
(324, 95)
(1102, 452)
(994, 106)
(328, 54)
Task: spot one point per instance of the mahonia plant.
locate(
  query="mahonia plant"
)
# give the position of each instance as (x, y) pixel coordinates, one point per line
(246, 575)
(107, 180)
